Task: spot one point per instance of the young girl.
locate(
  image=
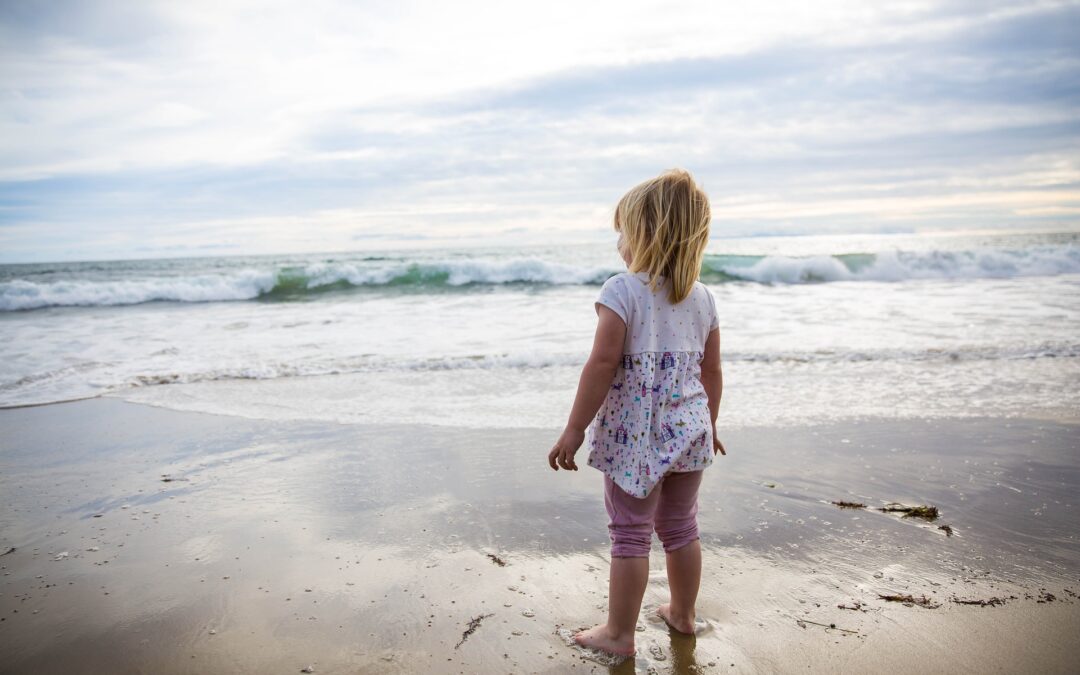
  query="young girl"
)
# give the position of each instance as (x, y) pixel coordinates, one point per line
(651, 389)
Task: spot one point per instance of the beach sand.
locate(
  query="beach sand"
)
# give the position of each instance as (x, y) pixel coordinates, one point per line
(150, 540)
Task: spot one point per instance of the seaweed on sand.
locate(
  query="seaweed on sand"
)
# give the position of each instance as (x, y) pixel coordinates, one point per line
(922, 601)
(981, 603)
(850, 505)
(926, 512)
(473, 625)
(801, 623)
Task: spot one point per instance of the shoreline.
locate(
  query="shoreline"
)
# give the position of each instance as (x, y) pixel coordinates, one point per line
(123, 395)
(300, 543)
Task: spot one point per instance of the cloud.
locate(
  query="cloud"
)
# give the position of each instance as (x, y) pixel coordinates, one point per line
(274, 126)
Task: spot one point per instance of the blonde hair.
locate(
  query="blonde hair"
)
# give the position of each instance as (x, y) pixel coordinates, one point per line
(665, 221)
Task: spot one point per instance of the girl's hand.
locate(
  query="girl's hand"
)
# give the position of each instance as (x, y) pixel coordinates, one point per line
(717, 446)
(562, 454)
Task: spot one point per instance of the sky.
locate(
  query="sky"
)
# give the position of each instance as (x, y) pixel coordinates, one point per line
(155, 129)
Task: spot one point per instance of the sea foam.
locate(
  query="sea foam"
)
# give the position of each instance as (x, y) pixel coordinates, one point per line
(287, 282)
(898, 265)
(20, 294)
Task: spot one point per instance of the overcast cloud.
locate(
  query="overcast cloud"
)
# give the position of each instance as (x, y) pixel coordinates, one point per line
(134, 129)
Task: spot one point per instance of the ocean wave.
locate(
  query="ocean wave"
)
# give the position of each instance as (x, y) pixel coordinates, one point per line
(448, 273)
(298, 281)
(366, 364)
(895, 266)
(380, 364)
(95, 378)
(293, 282)
(20, 294)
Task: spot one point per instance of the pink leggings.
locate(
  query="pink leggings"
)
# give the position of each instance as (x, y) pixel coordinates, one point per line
(671, 508)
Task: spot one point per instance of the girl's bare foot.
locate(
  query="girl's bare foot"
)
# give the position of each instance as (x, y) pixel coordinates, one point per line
(681, 624)
(598, 637)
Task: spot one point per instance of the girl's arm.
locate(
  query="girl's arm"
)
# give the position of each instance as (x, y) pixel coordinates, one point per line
(596, 376)
(712, 378)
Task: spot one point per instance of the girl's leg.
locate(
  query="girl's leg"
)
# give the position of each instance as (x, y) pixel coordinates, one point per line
(684, 579)
(676, 525)
(631, 533)
(626, 587)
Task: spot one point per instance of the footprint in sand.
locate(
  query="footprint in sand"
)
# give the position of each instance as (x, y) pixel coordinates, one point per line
(657, 652)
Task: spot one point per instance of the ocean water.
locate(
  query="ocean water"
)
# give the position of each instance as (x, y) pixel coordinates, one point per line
(817, 328)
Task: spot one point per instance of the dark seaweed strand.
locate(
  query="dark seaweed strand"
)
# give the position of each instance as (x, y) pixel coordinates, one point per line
(921, 601)
(927, 512)
(850, 505)
(473, 625)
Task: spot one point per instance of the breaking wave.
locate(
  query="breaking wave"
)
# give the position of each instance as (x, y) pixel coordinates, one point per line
(292, 282)
(297, 282)
(895, 265)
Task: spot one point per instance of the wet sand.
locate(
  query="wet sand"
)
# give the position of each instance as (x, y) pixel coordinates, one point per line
(274, 546)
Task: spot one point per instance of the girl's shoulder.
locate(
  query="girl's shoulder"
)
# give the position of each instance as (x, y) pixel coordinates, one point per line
(698, 283)
(617, 283)
(700, 292)
(616, 295)
(706, 303)
(619, 277)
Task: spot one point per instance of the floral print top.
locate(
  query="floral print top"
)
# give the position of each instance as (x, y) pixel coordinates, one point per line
(655, 418)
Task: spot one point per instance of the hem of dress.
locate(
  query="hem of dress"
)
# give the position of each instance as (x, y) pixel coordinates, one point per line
(693, 352)
(651, 487)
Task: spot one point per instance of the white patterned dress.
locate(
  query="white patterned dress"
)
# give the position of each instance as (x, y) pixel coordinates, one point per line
(655, 418)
